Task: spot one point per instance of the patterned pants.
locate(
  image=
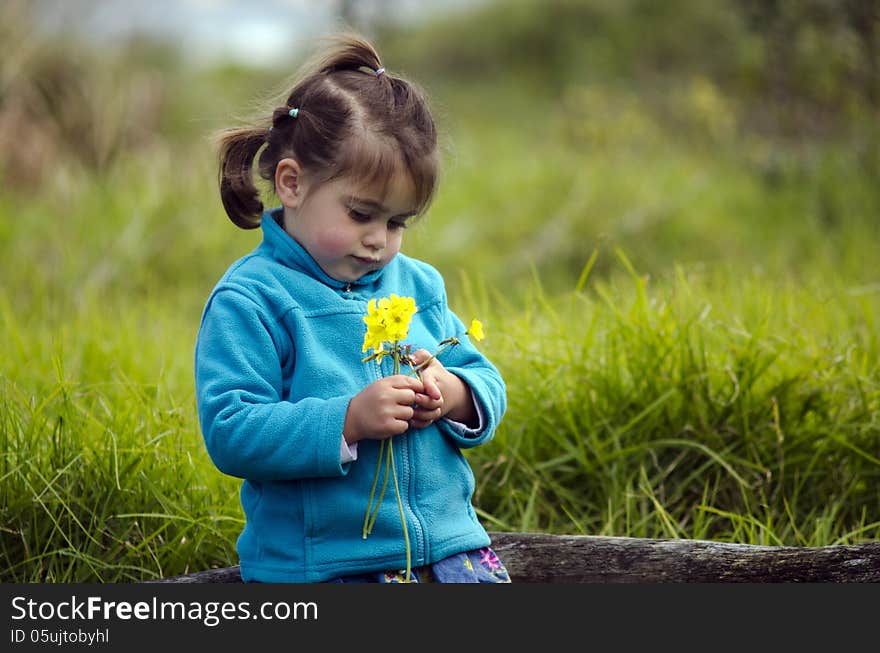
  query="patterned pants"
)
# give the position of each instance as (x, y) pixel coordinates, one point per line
(477, 566)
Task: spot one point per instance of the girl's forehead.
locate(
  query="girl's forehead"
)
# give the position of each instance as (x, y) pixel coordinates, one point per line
(396, 192)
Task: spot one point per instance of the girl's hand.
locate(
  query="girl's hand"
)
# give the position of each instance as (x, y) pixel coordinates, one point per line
(429, 403)
(382, 410)
(444, 395)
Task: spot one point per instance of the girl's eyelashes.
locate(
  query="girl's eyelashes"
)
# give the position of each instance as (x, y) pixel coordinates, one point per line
(359, 216)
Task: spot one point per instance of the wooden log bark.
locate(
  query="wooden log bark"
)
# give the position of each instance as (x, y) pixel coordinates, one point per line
(543, 558)
(587, 559)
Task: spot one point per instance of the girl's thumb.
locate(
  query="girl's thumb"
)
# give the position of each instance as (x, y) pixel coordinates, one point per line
(420, 356)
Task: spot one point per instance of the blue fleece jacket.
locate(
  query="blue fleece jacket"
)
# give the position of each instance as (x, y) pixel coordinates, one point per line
(277, 360)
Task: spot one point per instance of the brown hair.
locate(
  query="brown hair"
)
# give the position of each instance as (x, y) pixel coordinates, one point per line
(350, 122)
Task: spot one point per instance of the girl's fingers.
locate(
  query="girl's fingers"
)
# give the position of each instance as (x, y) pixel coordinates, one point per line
(420, 356)
(402, 382)
(422, 418)
(405, 397)
(430, 387)
(403, 414)
(406, 388)
(427, 402)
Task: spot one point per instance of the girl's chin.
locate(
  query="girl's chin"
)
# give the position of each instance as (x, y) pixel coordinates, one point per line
(353, 269)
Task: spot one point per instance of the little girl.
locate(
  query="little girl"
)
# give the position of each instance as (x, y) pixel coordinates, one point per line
(285, 400)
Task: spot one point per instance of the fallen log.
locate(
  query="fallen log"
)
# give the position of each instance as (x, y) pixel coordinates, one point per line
(543, 558)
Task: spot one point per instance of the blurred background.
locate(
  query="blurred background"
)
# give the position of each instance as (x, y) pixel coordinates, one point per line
(704, 176)
(738, 130)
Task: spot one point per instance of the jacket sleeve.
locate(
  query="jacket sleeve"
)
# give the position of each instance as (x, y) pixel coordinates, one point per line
(250, 431)
(481, 376)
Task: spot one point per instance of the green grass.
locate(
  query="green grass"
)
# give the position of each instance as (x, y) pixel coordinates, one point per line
(724, 406)
(729, 407)
(104, 477)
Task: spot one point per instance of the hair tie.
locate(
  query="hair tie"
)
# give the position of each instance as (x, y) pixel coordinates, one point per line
(379, 72)
(293, 112)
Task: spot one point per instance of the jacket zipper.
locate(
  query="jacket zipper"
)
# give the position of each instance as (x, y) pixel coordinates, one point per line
(419, 550)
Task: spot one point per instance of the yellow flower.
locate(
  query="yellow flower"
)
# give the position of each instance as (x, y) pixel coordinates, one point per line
(405, 306)
(377, 333)
(475, 330)
(398, 317)
(387, 321)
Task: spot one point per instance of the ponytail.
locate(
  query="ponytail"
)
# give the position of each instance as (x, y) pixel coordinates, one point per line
(239, 194)
(347, 52)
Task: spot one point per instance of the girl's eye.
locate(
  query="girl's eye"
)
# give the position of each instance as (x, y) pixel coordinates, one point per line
(358, 216)
(395, 225)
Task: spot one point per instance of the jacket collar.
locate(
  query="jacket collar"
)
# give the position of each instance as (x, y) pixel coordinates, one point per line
(285, 249)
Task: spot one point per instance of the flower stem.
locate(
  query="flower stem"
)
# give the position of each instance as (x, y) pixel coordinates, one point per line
(394, 478)
(447, 344)
(386, 451)
(402, 521)
(367, 527)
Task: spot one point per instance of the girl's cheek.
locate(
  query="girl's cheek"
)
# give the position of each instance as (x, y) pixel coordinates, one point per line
(335, 241)
(394, 242)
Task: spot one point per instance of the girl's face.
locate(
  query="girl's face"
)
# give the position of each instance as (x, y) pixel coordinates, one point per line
(348, 229)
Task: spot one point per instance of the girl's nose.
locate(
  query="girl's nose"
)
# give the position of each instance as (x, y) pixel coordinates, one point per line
(375, 238)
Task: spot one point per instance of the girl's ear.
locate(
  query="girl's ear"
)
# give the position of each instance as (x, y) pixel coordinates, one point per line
(289, 183)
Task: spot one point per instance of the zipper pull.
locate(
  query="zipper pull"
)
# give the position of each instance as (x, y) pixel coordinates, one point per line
(347, 288)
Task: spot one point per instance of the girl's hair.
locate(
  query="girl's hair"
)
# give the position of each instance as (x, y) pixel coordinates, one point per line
(353, 120)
